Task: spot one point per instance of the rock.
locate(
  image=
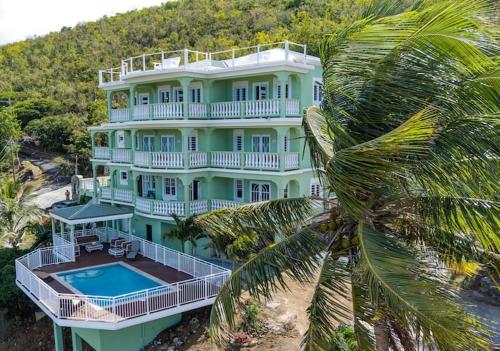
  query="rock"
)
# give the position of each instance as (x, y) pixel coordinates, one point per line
(273, 305)
(177, 342)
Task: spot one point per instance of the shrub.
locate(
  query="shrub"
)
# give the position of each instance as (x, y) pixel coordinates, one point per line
(250, 322)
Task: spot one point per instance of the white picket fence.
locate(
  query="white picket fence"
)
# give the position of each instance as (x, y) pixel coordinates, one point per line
(205, 284)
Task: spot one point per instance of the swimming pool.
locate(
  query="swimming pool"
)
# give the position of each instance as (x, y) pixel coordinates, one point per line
(107, 280)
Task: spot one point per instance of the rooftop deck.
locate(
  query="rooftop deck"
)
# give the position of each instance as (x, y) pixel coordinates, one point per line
(208, 63)
(189, 283)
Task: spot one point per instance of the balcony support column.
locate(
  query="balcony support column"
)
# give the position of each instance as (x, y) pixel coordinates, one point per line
(207, 94)
(186, 133)
(282, 81)
(94, 180)
(185, 96)
(208, 134)
(131, 96)
(110, 145)
(109, 100)
(187, 202)
(58, 337)
(133, 134)
(280, 144)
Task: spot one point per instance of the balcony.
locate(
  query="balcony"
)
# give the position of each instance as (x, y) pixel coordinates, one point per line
(187, 283)
(170, 159)
(253, 160)
(102, 153)
(167, 208)
(216, 110)
(124, 196)
(121, 155)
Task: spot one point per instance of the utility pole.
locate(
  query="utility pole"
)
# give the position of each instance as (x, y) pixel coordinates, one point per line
(76, 164)
(11, 143)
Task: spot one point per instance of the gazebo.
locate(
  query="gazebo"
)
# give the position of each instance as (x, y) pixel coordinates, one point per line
(83, 215)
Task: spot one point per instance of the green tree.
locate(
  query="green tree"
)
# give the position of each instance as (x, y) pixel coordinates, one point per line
(406, 142)
(54, 133)
(27, 110)
(186, 231)
(16, 212)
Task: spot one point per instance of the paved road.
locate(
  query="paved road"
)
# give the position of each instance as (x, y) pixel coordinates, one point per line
(46, 196)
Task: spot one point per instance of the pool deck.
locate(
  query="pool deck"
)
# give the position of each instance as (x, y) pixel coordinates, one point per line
(95, 258)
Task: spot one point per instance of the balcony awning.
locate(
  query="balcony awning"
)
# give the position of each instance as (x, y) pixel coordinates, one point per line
(90, 213)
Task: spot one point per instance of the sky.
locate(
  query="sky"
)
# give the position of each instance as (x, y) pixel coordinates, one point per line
(20, 19)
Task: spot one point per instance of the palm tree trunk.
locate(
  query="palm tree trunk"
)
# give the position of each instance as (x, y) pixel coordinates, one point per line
(381, 331)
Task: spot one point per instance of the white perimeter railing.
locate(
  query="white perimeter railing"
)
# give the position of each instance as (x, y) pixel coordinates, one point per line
(102, 152)
(205, 284)
(122, 155)
(119, 115)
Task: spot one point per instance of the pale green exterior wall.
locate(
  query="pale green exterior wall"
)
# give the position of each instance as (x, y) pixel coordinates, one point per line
(133, 338)
(215, 183)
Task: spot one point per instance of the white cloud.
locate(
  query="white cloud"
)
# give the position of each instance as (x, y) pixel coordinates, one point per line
(20, 19)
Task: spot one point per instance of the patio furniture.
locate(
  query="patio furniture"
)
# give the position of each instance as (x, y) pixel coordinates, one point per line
(133, 250)
(117, 242)
(95, 246)
(116, 252)
(84, 240)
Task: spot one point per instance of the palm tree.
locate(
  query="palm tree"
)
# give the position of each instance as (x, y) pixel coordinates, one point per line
(407, 143)
(186, 230)
(16, 212)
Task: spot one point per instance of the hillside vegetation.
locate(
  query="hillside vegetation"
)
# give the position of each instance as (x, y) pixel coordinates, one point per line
(57, 74)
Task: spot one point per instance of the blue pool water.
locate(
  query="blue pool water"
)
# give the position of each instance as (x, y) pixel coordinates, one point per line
(109, 280)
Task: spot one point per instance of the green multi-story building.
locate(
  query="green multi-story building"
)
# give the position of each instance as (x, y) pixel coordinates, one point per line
(191, 132)
(188, 132)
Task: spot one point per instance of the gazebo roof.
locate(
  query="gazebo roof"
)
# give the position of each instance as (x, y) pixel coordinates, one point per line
(91, 213)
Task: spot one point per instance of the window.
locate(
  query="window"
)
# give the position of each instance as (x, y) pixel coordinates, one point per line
(195, 93)
(238, 140)
(148, 142)
(178, 94)
(164, 95)
(123, 178)
(148, 186)
(315, 188)
(260, 191)
(167, 143)
(277, 89)
(143, 99)
(120, 139)
(238, 190)
(317, 91)
(261, 143)
(240, 91)
(193, 141)
(169, 189)
(285, 192)
(261, 91)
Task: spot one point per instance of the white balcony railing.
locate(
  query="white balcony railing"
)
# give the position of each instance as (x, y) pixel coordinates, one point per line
(257, 108)
(101, 152)
(198, 206)
(262, 160)
(198, 159)
(140, 112)
(159, 159)
(216, 204)
(205, 284)
(291, 160)
(159, 207)
(123, 195)
(230, 109)
(106, 193)
(171, 110)
(119, 115)
(122, 155)
(292, 107)
(198, 110)
(225, 159)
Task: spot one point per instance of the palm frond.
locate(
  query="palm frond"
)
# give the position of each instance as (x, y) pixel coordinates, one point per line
(413, 292)
(329, 304)
(275, 216)
(295, 256)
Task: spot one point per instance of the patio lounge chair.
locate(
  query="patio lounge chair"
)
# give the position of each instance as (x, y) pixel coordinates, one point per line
(132, 250)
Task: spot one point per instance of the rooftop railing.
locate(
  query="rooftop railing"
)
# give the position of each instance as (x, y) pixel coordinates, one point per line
(205, 285)
(179, 60)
